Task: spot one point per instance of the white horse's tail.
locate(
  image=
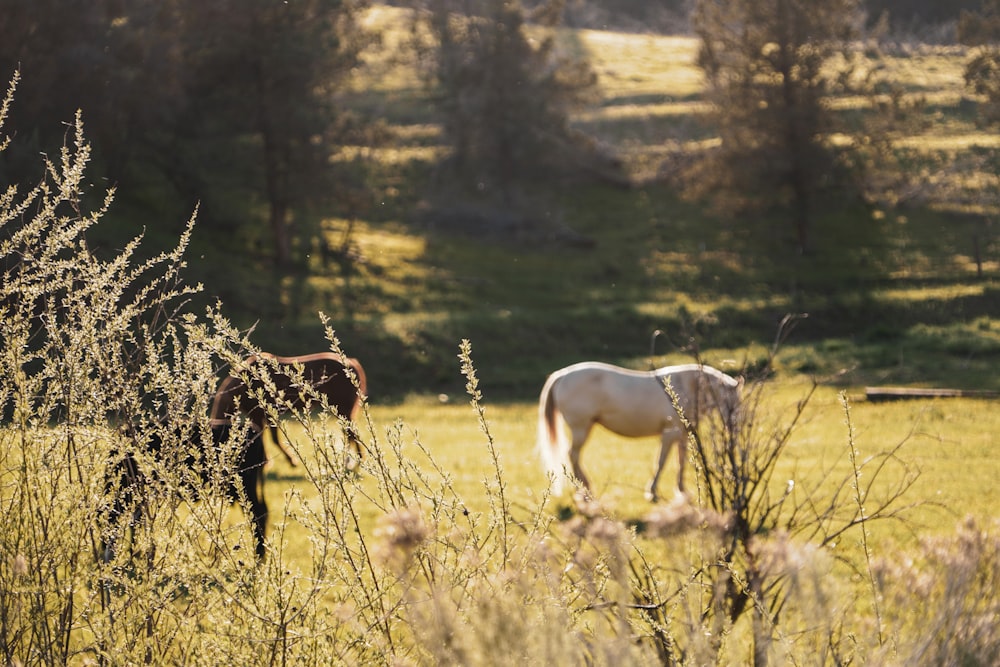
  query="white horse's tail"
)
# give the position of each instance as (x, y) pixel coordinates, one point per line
(553, 446)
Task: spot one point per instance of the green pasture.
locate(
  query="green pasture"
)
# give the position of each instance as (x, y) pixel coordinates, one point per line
(943, 449)
(945, 446)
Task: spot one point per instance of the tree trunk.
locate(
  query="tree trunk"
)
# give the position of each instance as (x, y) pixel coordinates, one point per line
(281, 232)
(276, 185)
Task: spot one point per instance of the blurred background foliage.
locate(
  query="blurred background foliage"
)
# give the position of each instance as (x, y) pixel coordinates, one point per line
(431, 170)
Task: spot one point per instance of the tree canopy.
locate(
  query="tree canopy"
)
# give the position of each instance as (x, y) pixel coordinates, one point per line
(221, 102)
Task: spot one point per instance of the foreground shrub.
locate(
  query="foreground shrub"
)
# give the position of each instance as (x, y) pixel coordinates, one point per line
(940, 603)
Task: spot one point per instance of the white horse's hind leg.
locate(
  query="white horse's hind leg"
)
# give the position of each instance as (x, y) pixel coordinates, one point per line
(667, 440)
(579, 437)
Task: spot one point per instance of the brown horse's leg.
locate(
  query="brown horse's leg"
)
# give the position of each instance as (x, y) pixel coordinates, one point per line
(258, 510)
(352, 437)
(293, 460)
(252, 480)
(351, 426)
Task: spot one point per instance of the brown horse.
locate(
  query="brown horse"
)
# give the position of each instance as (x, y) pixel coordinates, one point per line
(291, 383)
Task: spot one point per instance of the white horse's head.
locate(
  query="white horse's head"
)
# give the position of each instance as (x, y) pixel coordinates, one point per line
(733, 403)
(724, 393)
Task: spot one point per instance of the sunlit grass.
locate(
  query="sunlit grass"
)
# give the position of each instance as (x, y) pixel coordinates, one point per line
(923, 293)
(631, 66)
(948, 441)
(952, 142)
(925, 68)
(632, 111)
(395, 155)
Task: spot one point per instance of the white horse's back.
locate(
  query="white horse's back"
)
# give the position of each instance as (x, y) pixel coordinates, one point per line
(630, 403)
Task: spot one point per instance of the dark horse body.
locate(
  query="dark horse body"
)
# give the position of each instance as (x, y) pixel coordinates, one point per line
(245, 481)
(325, 373)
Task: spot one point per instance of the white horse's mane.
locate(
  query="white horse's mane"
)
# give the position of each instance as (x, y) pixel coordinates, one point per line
(662, 371)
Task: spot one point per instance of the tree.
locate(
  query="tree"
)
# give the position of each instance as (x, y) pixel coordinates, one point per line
(981, 30)
(770, 66)
(58, 49)
(271, 71)
(504, 97)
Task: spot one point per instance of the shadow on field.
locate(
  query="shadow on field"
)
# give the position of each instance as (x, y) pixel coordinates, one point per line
(513, 351)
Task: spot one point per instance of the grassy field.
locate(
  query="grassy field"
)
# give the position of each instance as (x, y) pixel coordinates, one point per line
(942, 449)
(892, 296)
(946, 446)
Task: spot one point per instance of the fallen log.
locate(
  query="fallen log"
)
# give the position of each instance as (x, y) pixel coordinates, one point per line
(876, 394)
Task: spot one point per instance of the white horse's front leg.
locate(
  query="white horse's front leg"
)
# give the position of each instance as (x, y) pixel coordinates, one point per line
(661, 460)
(667, 440)
(682, 457)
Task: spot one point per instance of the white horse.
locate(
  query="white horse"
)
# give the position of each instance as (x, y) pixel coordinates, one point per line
(630, 403)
